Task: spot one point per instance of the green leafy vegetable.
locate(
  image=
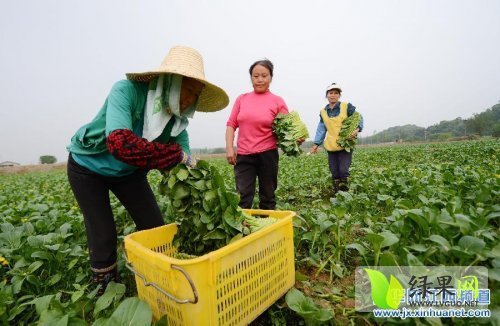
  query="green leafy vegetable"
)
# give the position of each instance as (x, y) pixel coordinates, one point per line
(348, 126)
(306, 308)
(255, 224)
(207, 214)
(131, 311)
(288, 128)
(181, 255)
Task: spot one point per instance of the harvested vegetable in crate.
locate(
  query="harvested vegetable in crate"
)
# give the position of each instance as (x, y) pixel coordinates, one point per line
(288, 128)
(229, 286)
(207, 214)
(348, 126)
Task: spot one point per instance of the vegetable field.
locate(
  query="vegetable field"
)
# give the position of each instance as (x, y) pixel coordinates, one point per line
(427, 204)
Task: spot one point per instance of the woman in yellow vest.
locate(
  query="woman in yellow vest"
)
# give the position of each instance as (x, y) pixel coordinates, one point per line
(327, 133)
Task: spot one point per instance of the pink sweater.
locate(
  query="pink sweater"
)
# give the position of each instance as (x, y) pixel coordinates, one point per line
(254, 113)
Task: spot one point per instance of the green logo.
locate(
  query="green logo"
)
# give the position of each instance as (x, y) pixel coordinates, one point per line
(468, 283)
(385, 294)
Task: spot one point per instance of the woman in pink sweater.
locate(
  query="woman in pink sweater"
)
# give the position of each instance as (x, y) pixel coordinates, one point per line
(253, 114)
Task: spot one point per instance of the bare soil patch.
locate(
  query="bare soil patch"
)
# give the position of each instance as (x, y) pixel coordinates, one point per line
(18, 169)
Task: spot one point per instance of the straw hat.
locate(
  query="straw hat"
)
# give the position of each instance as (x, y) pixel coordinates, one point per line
(188, 62)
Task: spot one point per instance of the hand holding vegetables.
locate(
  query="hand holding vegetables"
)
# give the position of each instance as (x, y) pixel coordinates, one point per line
(188, 160)
(291, 132)
(348, 132)
(354, 134)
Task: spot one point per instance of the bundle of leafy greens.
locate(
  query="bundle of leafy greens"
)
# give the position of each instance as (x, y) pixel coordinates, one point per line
(288, 128)
(348, 126)
(207, 214)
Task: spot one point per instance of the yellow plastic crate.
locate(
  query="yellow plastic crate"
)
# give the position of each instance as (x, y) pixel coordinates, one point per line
(229, 286)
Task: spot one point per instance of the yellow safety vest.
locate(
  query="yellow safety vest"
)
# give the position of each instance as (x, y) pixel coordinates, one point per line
(333, 125)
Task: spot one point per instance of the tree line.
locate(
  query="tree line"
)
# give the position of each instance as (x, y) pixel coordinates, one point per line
(482, 124)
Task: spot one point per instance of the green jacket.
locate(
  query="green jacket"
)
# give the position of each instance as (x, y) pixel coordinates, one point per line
(123, 109)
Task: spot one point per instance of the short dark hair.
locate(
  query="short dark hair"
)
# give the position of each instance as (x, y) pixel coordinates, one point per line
(265, 63)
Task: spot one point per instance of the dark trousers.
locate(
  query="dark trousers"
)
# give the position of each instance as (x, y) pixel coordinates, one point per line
(91, 191)
(339, 163)
(263, 166)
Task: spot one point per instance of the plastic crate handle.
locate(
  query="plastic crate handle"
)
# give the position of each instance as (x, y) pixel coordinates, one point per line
(157, 287)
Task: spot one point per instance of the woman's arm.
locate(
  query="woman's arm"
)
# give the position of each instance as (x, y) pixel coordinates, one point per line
(320, 136)
(230, 153)
(127, 147)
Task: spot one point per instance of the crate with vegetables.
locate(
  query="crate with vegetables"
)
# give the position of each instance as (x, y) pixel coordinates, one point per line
(217, 264)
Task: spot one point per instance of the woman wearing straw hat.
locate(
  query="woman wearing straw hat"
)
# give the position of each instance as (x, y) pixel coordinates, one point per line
(330, 123)
(253, 114)
(141, 126)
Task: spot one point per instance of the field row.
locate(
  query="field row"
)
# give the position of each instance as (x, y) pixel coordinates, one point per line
(408, 205)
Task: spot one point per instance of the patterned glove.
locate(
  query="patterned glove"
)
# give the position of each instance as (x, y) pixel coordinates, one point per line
(188, 160)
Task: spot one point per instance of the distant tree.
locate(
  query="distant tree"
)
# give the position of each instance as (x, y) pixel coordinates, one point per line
(218, 150)
(395, 134)
(496, 130)
(484, 123)
(442, 136)
(455, 127)
(47, 159)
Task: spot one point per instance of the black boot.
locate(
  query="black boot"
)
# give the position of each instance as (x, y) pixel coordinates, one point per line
(344, 184)
(103, 276)
(336, 187)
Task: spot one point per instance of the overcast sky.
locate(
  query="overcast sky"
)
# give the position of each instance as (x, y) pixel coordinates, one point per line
(399, 62)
